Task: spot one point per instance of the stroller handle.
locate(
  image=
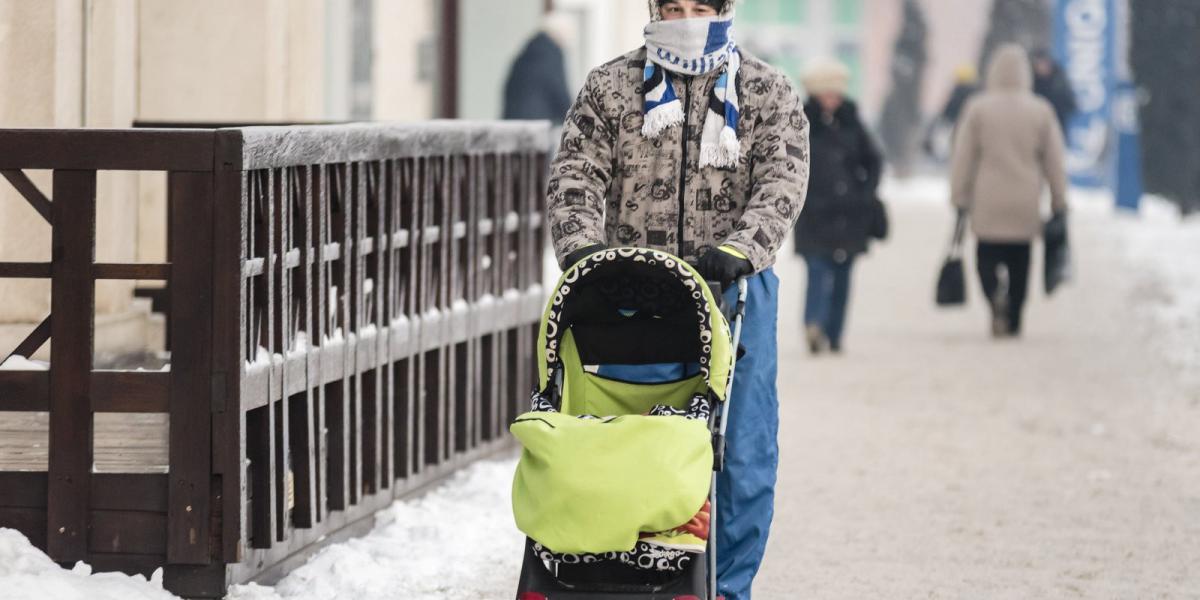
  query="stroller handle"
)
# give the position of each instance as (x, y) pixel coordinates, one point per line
(735, 324)
(719, 290)
(721, 410)
(722, 414)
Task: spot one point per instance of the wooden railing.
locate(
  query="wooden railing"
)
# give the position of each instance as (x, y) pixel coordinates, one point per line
(352, 316)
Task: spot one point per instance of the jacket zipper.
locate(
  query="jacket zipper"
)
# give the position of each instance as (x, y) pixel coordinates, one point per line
(687, 109)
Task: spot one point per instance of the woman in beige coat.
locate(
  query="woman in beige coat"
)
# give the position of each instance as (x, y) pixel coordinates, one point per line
(1007, 149)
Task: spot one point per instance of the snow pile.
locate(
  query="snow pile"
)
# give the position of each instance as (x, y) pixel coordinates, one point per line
(262, 359)
(20, 363)
(299, 345)
(28, 574)
(458, 541)
(1162, 254)
(1166, 254)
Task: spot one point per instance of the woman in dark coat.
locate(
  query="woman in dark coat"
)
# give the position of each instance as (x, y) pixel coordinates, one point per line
(841, 212)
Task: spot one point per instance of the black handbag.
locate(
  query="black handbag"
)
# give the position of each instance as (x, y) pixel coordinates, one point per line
(952, 283)
(879, 220)
(1058, 253)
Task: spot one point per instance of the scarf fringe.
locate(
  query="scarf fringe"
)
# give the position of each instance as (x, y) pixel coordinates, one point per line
(724, 154)
(694, 47)
(662, 118)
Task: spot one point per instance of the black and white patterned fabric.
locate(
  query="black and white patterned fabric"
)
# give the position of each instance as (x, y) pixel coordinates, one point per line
(644, 556)
(698, 408)
(539, 402)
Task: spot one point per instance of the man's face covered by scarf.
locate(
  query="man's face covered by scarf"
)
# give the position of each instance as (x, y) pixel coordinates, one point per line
(687, 42)
(657, 6)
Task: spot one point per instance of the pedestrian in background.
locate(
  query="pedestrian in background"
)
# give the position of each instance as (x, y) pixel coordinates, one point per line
(941, 130)
(1050, 82)
(536, 88)
(842, 210)
(1008, 147)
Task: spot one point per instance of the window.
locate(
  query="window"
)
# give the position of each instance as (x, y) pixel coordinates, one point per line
(349, 86)
(784, 12)
(851, 56)
(792, 11)
(847, 12)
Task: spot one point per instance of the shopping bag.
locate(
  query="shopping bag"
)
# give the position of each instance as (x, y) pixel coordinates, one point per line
(952, 283)
(879, 220)
(1058, 253)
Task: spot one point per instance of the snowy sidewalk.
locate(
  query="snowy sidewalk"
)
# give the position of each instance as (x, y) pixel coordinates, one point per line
(932, 462)
(928, 461)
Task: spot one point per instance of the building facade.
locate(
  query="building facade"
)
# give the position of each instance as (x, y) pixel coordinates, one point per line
(113, 63)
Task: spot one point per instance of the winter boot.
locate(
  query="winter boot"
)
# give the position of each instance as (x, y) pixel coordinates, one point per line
(1001, 328)
(1000, 325)
(817, 342)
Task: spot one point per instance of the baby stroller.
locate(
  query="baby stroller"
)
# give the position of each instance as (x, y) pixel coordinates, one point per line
(616, 482)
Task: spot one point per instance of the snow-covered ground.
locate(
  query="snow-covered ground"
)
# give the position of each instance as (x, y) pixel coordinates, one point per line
(928, 461)
(28, 574)
(458, 541)
(455, 542)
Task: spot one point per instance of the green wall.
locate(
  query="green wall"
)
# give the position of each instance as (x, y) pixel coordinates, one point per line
(786, 33)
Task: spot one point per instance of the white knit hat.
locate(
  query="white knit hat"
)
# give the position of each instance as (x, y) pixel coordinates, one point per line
(825, 75)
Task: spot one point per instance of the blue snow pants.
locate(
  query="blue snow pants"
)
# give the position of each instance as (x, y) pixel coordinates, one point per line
(746, 488)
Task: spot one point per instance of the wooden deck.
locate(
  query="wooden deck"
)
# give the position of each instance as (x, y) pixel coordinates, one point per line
(124, 443)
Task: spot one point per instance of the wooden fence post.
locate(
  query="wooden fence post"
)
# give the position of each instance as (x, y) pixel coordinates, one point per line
(190, 449)
(72, 307)
(229, 296)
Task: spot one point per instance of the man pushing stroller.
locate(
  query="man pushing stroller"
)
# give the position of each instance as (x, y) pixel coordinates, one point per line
(693, 147)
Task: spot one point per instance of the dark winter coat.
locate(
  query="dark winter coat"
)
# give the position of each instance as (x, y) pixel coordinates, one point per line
(846, 166)
(1056, 89)
(957, 100)
(537, 83)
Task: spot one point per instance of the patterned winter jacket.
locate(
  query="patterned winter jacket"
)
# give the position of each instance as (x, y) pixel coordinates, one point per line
(609, 184)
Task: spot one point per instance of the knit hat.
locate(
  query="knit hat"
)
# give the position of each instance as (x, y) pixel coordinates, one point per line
(966, 73)
(826, 75)
(721, 6)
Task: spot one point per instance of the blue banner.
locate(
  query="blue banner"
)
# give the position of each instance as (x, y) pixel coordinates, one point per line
(1084, 41)
(1127, 164)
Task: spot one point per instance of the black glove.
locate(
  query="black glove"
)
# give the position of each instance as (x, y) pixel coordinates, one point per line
(723, 267)
(582, 253)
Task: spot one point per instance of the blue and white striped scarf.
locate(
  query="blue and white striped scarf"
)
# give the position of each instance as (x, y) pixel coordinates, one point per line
(694, 47)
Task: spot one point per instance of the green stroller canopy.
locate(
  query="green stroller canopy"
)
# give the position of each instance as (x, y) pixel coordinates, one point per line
(634, 306)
